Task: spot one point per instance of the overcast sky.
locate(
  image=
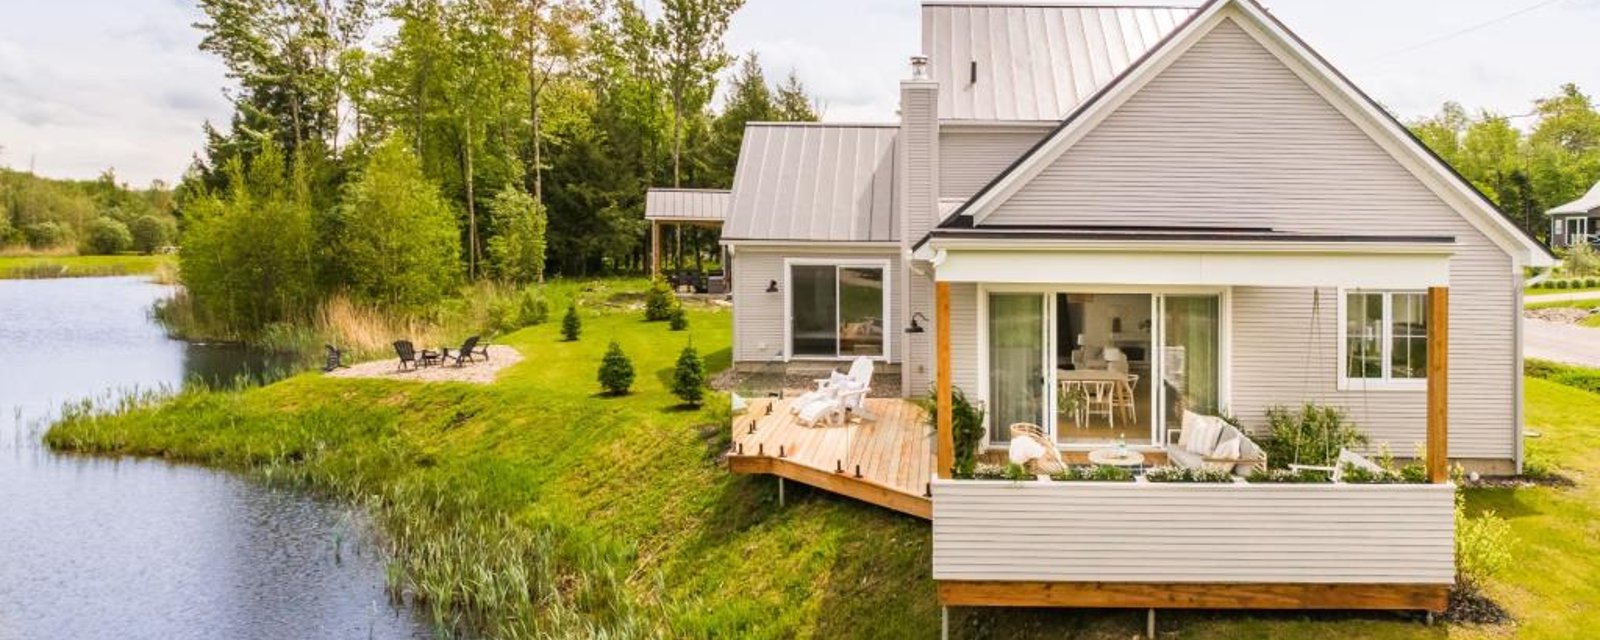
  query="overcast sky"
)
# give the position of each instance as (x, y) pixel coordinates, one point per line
(90, 84)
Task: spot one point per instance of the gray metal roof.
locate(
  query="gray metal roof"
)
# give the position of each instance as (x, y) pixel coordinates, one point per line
(1589, 202)
(709, 205)
(815, 181)
(1034, 61)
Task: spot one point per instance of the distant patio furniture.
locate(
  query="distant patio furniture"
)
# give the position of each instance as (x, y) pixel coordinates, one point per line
(464, 354)
(407, 353)
(1032, 449)
(335, 359)
(1208, 442)
(826, 405)
(859, 378)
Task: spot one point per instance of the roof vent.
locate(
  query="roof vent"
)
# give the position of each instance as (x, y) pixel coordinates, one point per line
(919, 67)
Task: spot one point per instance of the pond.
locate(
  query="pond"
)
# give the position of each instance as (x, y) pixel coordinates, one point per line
(93, 548)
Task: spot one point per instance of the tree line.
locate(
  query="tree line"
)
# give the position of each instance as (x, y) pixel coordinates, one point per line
(100, 216)
(514, 137)
(1528, 172)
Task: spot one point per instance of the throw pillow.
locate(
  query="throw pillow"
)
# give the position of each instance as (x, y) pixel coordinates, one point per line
(1228, 450)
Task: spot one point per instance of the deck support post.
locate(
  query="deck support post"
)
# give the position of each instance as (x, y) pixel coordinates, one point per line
(1438, 447)
(1150, 624)
(944, 623)
(945, 445)
(780, 492)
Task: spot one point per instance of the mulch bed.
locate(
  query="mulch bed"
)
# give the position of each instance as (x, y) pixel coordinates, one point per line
(1468, 605)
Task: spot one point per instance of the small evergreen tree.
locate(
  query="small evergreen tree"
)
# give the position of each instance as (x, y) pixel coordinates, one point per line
(659, 301)
(571, 324)
(677, 320)
(532, 308)
(616, 371)
(689, 377)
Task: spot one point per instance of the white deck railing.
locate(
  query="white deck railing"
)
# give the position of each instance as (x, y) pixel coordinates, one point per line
(985, 530)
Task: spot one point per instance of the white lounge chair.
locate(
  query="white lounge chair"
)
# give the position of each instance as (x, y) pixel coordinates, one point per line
(816, 406)
(859, 378)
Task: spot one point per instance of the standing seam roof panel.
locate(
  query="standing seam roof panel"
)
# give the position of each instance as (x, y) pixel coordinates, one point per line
(815, 182)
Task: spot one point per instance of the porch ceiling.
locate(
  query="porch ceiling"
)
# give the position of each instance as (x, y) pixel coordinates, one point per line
(1196, 258)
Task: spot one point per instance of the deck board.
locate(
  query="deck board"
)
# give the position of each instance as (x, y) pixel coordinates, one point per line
(894, 452)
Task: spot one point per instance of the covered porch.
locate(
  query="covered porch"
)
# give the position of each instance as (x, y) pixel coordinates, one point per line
(1015, 328)
(680, 210)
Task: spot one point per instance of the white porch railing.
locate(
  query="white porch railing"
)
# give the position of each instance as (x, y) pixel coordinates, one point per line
(1045, 531)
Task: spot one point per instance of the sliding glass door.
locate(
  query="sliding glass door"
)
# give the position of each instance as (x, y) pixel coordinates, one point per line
(837, 311)
(1191, 358)
(1016, 362)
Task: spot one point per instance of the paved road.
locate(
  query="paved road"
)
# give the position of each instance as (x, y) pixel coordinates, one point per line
(1569, 343)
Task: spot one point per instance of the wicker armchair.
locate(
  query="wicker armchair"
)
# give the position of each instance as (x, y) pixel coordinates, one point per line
(1051, 461)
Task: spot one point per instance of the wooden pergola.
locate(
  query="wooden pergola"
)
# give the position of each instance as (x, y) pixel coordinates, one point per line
(679, 208)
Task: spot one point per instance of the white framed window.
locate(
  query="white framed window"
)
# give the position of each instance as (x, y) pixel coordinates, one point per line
(837, 309)
(1577, 230)
(1383, 339)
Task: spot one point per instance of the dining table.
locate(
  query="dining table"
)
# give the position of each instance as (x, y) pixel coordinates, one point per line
(1095, 383)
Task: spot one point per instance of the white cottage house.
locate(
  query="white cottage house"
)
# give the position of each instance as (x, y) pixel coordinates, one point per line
(1104, 220)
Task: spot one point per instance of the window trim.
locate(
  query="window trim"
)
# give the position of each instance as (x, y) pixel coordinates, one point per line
(1385, 383)
(889, 332)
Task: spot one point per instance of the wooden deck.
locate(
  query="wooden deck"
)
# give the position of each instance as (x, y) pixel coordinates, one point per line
(887, 462)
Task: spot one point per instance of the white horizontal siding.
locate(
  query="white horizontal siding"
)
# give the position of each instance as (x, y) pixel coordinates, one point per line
(1228, 136)
(1116, 532)
(964, 339)
(758, 316)
(968, 160)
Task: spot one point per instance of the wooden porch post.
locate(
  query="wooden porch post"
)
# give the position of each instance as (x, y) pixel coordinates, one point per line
(655, 249)
(1438, 450)
(941, 368)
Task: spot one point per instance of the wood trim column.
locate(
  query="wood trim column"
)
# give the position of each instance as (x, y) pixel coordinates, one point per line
(655, 249)
(945, 460)
(1438, 451)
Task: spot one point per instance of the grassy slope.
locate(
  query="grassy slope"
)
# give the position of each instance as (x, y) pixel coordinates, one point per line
(628, 487)
(24, 266)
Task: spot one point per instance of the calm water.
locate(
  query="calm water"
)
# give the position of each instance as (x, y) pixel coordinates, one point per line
(100, 548)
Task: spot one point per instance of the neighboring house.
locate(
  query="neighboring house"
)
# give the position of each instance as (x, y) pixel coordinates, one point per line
(1576, 221)
(1190, 197)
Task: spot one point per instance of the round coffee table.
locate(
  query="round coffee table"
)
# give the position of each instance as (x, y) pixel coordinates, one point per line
(1111, 457)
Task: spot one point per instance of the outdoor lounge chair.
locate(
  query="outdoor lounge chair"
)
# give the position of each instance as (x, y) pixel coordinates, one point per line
(1032, 449)
(825, 406)
(1200, 445)
(466, 352)
(407, 353)
(335, 359)
(859, 378)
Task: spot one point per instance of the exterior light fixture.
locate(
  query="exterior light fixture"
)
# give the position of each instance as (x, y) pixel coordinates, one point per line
(916, 328)
(772, 287)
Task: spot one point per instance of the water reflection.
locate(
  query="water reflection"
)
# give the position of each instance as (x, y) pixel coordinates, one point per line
(97, 548)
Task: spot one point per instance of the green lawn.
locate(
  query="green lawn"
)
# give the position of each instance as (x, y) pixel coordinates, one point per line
(25, 266)
(534, 506)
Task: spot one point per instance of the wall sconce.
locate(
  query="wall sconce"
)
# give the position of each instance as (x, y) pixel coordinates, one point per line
(916, 328)
(772, 287)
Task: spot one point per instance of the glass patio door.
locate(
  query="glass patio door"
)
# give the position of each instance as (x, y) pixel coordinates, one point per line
(1016, 362)
(1191, 355)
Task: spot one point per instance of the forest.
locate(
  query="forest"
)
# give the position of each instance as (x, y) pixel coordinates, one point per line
(396, 150)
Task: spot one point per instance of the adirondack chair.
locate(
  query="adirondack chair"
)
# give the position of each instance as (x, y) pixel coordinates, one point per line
(407, 353)
(335, 359)
(465, 353)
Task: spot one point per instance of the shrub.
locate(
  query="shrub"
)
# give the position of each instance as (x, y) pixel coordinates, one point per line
(1581, 260)
(1562, 284)
(106, 236)
(966, 430)
(46, 235)
(532, 308)
(152, 232)
(1312, 435)
(1576, 377)
(1483, 544)
(689, 377)
(659, 301)
(1591, 282)
(1184, 474)
(678, 320)
(616, 371)
(1095, 473)
(397, 233)
(987, 471)
(571, 324)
